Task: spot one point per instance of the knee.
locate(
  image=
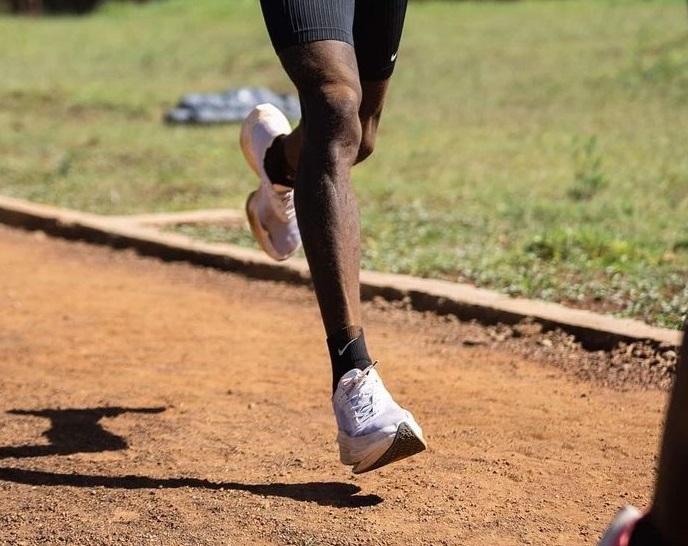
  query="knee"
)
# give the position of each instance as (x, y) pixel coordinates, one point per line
(331, 120)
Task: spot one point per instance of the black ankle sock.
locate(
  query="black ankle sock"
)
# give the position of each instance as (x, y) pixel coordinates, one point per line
(347, 351)
(646, 534)
(276, 165)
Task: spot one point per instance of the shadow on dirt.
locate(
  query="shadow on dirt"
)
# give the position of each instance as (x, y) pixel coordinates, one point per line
(79, 431)
(337, 494)
(74, 431)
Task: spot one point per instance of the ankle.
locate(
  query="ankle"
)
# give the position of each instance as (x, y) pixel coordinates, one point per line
(348, 351)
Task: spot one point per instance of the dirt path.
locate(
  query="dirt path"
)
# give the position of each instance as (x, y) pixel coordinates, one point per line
(191, 407)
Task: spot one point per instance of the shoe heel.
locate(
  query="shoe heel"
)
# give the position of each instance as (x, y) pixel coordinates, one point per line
(406, 443)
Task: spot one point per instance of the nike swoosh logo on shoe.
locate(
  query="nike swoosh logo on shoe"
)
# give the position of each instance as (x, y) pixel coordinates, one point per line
(343, 349)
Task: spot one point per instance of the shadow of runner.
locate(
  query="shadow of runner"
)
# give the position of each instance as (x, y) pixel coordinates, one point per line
(74, 431)
(336, 494)
(79, 431)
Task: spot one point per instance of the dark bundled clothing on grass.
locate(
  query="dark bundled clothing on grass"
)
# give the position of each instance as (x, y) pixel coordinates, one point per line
(230, 106)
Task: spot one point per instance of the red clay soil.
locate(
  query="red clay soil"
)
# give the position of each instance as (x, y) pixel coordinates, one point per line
(150, 403)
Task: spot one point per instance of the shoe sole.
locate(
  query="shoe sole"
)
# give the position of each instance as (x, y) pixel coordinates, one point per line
(405, 444)
(261, 235)
(255, 116)
(245, 143)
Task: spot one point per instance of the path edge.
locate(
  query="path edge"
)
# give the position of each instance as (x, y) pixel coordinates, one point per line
(146, 235)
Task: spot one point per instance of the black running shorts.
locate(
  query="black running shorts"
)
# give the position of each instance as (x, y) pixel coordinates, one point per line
(372, 27)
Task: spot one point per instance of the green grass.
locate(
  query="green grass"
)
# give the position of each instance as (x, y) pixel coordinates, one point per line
(537, 148)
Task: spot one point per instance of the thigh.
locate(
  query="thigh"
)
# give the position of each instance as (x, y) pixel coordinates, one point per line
(377, 29)
(298, 22)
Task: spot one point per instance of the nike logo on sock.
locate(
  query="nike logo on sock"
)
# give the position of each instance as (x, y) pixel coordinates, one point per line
(341, 351)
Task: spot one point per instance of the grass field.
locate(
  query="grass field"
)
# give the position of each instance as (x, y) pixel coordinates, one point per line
(537, 148)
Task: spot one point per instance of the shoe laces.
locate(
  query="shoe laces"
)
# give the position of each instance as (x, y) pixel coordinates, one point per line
(283, 203)
(360, 395)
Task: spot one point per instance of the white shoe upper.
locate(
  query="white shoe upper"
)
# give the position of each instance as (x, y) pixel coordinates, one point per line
(270, 208)
(363, 405)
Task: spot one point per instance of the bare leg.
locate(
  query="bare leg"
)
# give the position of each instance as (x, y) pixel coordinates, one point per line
(369, 114)
(670, 503)
(665, 523)
(328, 142)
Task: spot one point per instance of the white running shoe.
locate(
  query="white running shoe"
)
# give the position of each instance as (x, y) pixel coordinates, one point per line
(270, 208)
(373, 429)
(619, 531)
